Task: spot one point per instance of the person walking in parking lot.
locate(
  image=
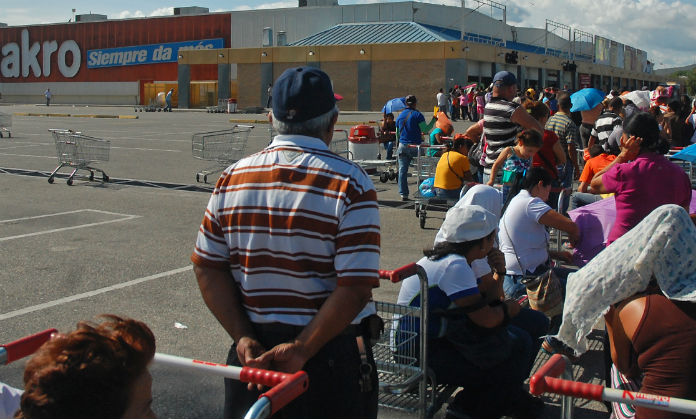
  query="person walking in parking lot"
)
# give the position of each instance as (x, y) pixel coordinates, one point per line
(48, 95)
(168, 100)
(287, 256)
(410, 127)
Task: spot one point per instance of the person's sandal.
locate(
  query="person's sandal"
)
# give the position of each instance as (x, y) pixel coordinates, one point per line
(551, 346)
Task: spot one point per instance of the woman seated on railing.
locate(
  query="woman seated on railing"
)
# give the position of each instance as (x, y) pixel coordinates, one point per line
(471, 345)
(453, 170)
(96, 371)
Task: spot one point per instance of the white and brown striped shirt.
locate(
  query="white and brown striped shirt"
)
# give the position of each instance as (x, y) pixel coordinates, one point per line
(291, 223)
(500, 131)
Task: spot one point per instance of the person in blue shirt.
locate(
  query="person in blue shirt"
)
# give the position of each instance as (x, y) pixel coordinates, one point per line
(410, 126)
(168, 99)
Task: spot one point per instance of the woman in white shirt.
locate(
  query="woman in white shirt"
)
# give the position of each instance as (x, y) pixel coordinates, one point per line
(523, 234)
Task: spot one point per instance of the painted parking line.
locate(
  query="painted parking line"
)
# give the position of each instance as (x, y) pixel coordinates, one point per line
(89, 294)
(124, 217)
(28, 155)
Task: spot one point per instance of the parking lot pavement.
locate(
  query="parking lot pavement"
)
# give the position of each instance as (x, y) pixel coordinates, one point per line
(70, 253)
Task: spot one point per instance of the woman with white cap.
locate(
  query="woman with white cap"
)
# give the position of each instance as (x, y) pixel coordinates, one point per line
(470, 342)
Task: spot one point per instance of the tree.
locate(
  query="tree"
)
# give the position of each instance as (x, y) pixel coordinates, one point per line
(686, 79)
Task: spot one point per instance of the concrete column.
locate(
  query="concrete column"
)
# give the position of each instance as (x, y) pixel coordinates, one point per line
(364, 85)
(455, 72)
(224, 81)
(542, 78)
(576, 81)
(494, 69)
(184, 85)
(266, 76)
(523, 76)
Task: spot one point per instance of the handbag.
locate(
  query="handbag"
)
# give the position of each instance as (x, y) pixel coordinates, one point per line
(544, 291)
(476, 152)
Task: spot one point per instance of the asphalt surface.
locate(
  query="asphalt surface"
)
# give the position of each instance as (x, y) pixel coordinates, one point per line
(70, 253)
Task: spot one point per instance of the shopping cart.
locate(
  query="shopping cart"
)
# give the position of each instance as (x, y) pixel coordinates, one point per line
(5, 124)
(545, 381)
(339, 144)
(284, 387)
(79, 152)
(221, 107)
(405, 382)
(425, 168)
(224, 147)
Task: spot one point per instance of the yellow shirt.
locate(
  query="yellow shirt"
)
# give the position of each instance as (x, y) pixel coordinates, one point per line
(449, 176)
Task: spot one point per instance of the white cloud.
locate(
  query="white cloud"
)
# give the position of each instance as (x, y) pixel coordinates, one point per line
(127, 14)
(163, 11)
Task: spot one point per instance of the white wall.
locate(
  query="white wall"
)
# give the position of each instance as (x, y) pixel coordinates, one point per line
(116, 93)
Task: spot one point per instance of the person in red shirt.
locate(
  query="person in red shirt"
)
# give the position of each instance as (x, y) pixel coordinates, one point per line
(585, 194)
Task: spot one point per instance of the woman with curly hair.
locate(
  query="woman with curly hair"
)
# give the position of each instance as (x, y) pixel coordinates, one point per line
(95, 371)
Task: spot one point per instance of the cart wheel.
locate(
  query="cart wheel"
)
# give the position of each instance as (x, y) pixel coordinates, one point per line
(9, 135)
(418, 210)
(392, 175)
(384, 177)
(70, 181)
(0, 134)
(205, 179)
(422, 219)
(91, 176)
(198, 179)
(50, 179)
(105, 178)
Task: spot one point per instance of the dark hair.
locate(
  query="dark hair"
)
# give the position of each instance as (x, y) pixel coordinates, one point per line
(596, 150)
(537, 109)
(410, 100)
(616, 103)
(389, 114)
(530, 137)
(564, 102)
(674, 106)
(458, 142)
(655, 111)
(87, 373)
(644, 125)
(444, 249)
(534, 176)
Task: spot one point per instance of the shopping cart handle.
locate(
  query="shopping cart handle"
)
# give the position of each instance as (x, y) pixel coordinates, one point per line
(399, 274)
(24, 346)
(287, 391)
(545, 381)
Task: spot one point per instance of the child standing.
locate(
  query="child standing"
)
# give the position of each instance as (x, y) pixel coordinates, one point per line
(516, 160)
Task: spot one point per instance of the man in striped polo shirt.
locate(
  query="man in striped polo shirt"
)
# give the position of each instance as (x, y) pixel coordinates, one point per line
(287, 256)
(605, 124)
(503, 118)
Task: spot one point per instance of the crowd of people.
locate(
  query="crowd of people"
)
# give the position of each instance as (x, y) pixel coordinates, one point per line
(288, 251)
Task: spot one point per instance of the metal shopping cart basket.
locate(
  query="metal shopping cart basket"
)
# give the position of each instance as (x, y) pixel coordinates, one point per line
(546, 380)
(405, 383)
(79, 152)
(224, 147)
(5, 124)
(425, 168)
(284, 387)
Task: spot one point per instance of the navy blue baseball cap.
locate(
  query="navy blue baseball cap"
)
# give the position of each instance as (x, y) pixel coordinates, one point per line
(302, 93)
(504, 78)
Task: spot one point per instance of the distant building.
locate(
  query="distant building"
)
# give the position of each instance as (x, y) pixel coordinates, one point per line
(373, 52)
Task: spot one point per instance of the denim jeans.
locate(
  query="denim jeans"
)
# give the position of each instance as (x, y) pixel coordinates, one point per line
(514, 289)
(580, 199)
(389, 146)
(451, 194)
(405, 155)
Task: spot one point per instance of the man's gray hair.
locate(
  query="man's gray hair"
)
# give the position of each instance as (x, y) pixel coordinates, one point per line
(316, 127)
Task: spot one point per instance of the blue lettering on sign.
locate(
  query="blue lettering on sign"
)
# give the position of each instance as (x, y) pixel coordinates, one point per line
(146, 54)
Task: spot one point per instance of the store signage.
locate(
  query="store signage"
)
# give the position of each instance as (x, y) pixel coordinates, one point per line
(585, 80)
(19, 60)
(146, 54)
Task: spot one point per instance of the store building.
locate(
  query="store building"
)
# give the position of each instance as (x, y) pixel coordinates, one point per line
(373, 52)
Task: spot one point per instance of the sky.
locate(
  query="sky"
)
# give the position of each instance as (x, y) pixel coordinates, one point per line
(663, 28)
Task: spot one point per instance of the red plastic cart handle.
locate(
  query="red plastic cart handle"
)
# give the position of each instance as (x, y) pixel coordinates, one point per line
(26, 345)
(545, 381)
(285, 387)
(287, 391)
(399, 274)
